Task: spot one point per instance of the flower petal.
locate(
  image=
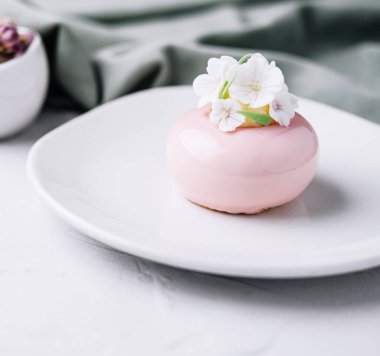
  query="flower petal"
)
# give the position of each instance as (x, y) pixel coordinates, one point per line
(223, 113)
(261, 98)
(258, 57)
(227, 125)
(217, 107)
(213, 68)
(283, 107)
(228, 60)
(274, 80)
(204, 84)
(273, 114)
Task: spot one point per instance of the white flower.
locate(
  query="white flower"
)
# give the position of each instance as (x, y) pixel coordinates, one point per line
(207, 86)
(223, 114)
(283, 108)
(256, 82)
(285, 88)
(259, 57)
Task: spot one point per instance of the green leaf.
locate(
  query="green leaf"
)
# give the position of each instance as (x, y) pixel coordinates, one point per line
(223, 90)
(262, 119)
(245, 58)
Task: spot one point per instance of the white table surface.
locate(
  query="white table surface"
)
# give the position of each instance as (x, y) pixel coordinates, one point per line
(61, 293)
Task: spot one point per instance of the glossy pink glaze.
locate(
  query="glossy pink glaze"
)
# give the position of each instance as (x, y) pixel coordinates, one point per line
(244, 171)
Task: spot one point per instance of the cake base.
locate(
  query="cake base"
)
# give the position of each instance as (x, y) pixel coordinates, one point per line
(224, 211)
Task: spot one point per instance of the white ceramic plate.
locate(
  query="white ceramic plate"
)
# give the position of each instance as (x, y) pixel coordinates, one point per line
(104, 173)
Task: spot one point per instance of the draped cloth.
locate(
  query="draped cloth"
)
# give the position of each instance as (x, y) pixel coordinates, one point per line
(99, 50)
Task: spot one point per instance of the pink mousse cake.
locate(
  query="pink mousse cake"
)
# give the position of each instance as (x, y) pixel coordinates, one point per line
(245, 149)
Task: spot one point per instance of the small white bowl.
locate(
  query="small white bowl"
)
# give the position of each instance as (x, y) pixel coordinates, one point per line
(24, 82)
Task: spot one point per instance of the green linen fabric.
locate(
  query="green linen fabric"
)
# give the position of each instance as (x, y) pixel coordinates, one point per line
(101, 49)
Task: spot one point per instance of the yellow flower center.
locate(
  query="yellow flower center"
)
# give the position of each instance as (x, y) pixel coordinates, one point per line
(256, 86)
(226, 113)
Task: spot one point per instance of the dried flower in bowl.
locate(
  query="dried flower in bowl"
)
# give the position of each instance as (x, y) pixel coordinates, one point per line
(12, 42)
(24, 74)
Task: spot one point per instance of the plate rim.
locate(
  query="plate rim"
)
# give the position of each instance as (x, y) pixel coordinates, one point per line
(142, 251)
